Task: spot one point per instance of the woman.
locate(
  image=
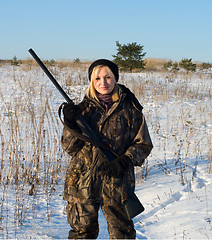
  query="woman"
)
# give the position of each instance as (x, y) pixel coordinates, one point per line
(113, 112)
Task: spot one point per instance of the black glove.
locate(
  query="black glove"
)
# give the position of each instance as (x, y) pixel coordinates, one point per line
(117, 167)
(70, 110)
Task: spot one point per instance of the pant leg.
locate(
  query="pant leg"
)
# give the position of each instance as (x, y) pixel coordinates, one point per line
(119, 226)
(83, 218)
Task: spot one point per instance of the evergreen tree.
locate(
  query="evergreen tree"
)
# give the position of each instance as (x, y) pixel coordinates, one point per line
(168, 65)
(15, 61)
(129, 56)
(171, 66)
(205, 65)
(187, 64)
(77, 60)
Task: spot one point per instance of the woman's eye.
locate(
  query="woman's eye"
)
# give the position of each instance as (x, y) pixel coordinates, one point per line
(108, 77)
(97, 78)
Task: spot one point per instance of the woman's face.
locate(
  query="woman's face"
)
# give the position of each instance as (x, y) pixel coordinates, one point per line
(104, 82)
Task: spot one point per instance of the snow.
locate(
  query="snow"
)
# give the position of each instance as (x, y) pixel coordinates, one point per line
(174, 185)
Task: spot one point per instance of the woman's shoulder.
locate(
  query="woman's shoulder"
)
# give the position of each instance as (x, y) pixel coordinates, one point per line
(130, 96)
(87, 102)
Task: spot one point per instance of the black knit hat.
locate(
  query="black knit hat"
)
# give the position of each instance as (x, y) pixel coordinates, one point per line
(104, 62)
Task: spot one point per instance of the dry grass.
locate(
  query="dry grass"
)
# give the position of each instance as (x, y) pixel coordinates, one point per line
(178, 114)
(31, 157)
(154, 64)
(27, 151)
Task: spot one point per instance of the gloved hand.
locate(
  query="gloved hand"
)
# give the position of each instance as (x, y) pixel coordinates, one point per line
(70, 110)
(117, 167)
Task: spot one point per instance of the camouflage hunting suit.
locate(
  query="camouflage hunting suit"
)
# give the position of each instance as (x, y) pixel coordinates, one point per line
(124, 130)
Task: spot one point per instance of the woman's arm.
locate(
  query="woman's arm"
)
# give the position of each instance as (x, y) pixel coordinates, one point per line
(141, 146)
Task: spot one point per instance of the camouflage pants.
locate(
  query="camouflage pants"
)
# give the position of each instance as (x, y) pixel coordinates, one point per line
(83, 215)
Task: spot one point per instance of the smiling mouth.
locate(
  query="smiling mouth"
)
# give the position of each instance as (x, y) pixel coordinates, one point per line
(104, 88)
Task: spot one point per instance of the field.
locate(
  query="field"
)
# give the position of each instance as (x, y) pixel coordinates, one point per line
(174, 185)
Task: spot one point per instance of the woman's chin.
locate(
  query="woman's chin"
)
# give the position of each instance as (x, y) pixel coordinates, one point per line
(104, 91)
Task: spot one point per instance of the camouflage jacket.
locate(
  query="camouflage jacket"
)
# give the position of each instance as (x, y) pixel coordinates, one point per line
(123, 129)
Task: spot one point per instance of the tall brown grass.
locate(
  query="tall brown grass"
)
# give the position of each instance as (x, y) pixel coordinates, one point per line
(155, 64)
(31, 157)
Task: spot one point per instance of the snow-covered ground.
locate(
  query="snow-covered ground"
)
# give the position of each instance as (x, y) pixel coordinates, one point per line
(175, 184)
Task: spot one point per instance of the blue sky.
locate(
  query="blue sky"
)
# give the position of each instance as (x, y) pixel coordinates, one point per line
(89, 29)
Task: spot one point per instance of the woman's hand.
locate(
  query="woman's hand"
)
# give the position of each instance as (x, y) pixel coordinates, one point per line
(69, 111)
(116, 167)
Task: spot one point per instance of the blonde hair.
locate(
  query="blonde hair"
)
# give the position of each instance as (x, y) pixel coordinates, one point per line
(95, 72)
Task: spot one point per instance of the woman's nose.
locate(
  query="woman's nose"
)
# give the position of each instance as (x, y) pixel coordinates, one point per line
(103, 81)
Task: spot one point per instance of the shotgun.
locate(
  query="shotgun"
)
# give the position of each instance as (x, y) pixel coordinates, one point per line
(132, 205)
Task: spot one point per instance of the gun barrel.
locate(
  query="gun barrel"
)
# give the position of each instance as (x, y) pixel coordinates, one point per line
(37, 59)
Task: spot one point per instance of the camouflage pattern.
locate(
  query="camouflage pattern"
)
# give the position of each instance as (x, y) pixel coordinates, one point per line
(124, 130)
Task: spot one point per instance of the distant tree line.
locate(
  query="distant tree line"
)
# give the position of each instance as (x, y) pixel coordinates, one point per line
(130, 57)
(185, 64)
